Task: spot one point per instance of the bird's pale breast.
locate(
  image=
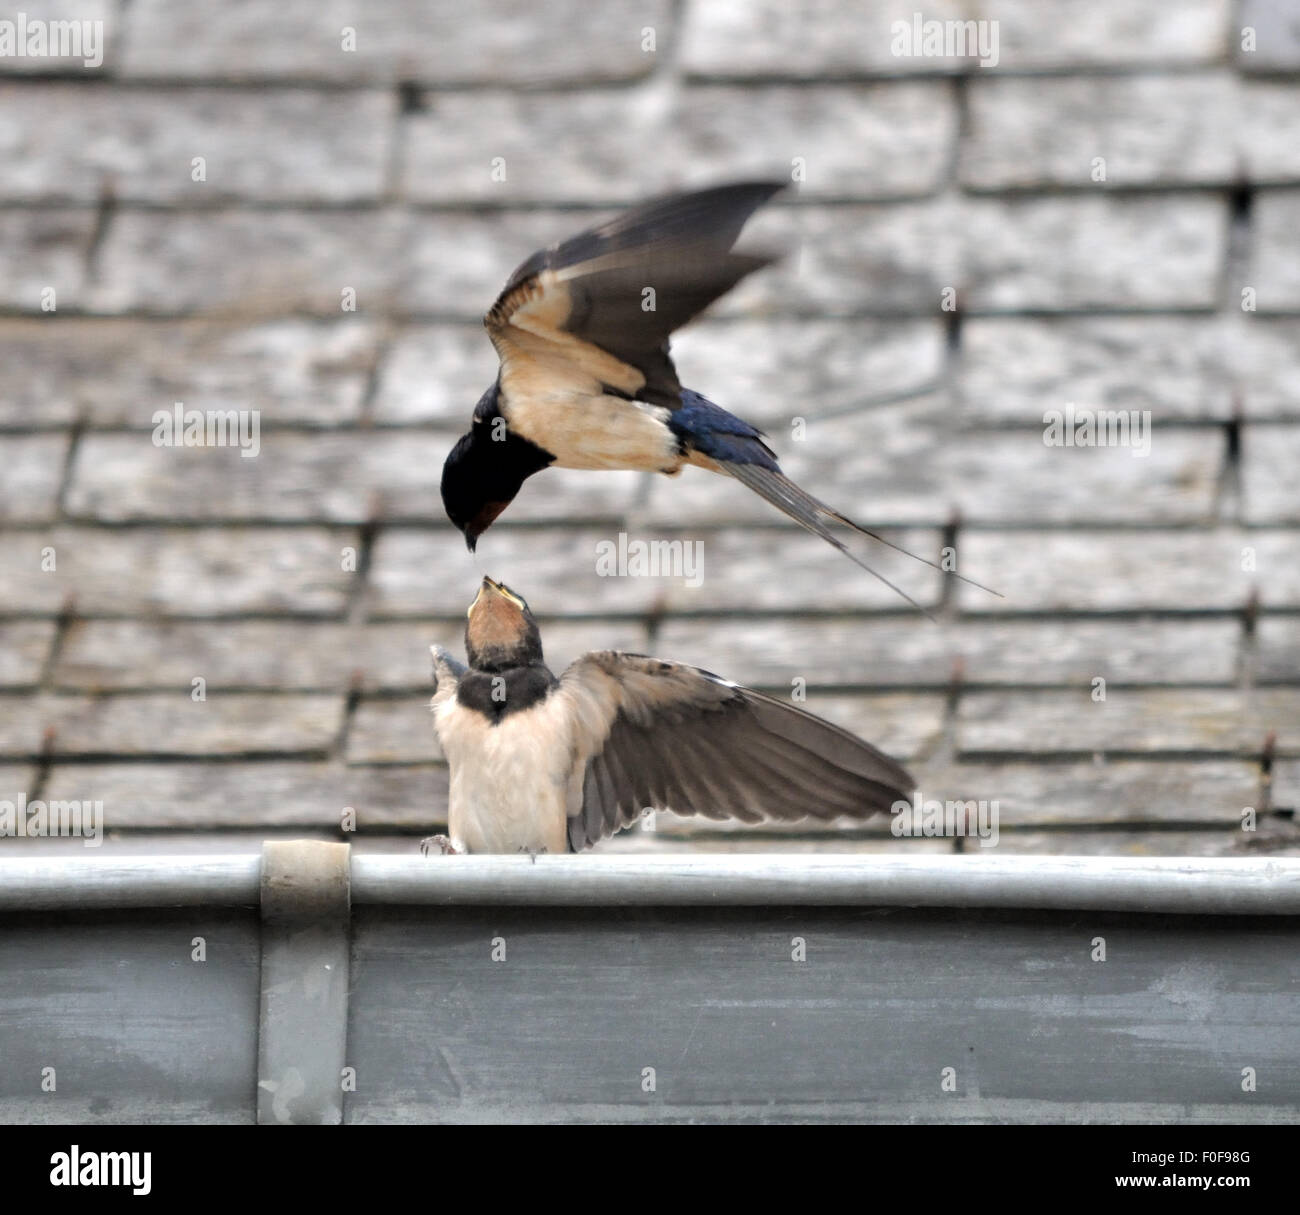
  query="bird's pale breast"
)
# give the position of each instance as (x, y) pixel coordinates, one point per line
(598, 432)
(510, 782)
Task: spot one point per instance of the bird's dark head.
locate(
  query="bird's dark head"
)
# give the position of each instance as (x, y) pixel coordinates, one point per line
(471, 495)
(485, 469)
(501, 631)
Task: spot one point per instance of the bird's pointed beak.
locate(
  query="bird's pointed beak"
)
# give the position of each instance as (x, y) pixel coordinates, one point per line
(485, 590)
(489, 591)
(486, 516)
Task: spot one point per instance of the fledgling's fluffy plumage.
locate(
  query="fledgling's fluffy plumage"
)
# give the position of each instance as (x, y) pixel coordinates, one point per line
(546, 764)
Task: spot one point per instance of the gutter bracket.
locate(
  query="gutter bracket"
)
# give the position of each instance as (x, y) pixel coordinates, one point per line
(306, 943)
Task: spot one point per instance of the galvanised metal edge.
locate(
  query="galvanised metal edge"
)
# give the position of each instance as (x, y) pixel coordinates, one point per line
(1172, 885)
(91, 882)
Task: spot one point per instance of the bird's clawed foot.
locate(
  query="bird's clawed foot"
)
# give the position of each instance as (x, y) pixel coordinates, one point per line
(532, 852)
(441, 844)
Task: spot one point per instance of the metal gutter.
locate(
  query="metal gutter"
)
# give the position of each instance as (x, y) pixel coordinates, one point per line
(483, 987)
(1169, 885)
(74, 883)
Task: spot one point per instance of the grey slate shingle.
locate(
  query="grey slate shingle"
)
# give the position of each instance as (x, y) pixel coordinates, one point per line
(428, 41)
(1148, 130)
(65, 142)
(120, 372)
(812, 38)
(129, 726)
(258, 796)
(1015, 368)
(1270, 475)
(1194, 570)
(33, 475)
(25, 647)
(1273, 270)
(1146, 721)
(895, 652)
(616, 147)
(42, 258)
(1276, 26)
(178, 571)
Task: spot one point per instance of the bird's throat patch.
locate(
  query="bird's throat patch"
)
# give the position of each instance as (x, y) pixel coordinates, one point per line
(487, 516)
(501, 694)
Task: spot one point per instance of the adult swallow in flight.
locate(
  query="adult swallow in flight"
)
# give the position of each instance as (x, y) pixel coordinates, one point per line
(540, 764)
(586, 381)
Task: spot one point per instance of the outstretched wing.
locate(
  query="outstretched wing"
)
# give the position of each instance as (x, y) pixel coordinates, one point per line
(580, 310)
(655, 734)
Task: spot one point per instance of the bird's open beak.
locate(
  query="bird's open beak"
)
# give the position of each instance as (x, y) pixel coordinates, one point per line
(489, 590)
(486, 589)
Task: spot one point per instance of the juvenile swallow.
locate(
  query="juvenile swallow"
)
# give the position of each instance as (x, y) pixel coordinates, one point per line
(540, 764)
(586, 380)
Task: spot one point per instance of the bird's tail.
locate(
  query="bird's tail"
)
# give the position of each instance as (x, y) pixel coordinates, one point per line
(734, 446)
(774, 486)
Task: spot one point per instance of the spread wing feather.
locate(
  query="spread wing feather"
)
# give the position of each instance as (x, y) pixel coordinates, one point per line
(662, 735)
(585, 297)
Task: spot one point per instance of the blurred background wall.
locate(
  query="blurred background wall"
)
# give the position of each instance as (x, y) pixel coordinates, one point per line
(299, 211)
